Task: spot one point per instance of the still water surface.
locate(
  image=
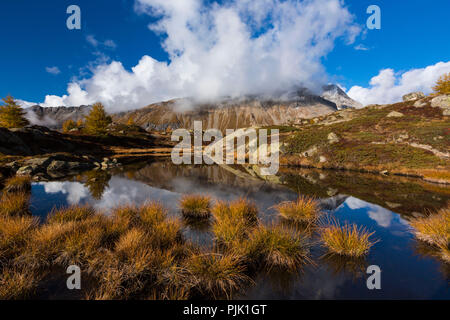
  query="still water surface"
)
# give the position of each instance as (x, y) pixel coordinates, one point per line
(382, 205)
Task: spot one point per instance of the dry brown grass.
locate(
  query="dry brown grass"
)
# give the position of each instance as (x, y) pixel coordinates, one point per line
(152, 213)
(14, 204)
(196, 206)
(303, 210)
(238, 209)
(126, 215)
(233, 221)
(72, 213)
(435, 230)
(217, 274)
(18, 184)
(17, 284)
(44, 245)
(347, 240)
(14, 233)
(276, 246)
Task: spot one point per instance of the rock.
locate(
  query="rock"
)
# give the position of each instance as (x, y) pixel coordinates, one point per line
(323, 159)
(310, 152)
(332, 192)
(413, 96)
(333, 138)
(395, 114)
(420, 103)
(442, 102)
(393, 205)
(25, 171)
(57, 166)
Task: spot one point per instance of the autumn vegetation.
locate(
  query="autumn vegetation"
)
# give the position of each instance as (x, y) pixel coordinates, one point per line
(434, 229)
(11, 114)
(97, 121)
(443, 84)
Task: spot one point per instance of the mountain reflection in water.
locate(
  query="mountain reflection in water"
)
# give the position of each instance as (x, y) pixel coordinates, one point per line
(382, 205)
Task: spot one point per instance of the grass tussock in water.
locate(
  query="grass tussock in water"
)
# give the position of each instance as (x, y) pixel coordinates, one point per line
(233, 221)
(238, 209)
(347, 240)
(435, 230)
(196, 206)
(217, 273)
(304, 210)
(14, 204)
(18, 184)
(277, 247)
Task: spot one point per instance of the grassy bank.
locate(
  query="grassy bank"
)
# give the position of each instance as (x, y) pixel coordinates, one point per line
(397, 139)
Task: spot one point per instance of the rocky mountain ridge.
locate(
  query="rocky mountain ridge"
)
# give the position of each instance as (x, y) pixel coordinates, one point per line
(284, 108)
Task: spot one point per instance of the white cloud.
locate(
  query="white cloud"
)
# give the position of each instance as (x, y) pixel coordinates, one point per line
(361, 47)
(389, 86)
(234, 48)
(91, 40)
(53, 70)
(380, 215)
(96, 43)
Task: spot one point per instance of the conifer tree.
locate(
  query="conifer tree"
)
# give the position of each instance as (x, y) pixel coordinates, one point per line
(443, 84)
(12, 115)
(97, 122)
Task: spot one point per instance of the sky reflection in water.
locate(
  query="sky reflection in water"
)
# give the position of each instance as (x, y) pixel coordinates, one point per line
(406, 273)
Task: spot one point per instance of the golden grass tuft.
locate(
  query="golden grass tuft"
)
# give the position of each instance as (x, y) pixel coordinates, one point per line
(44, 245)
(18, 184)
(152, 213)
(238, 209)
(72, 213)
(127, 215)
(435, 230)
(14, 233)
(14, 204)
(196, 206)
(233, 221)
(347, 240)
(18, 284)
(229, 230)
(278, 247)
(303, 210)
(217, 274)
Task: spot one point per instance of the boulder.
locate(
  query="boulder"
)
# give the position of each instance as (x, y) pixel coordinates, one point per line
(333, 138)
(25, 171)
(413, 96)
(310, 152)
(395, 114)
(442, 102)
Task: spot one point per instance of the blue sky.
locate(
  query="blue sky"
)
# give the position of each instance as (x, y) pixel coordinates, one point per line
(34, 37)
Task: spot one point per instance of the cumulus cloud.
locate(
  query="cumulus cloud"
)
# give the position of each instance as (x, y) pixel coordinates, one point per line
(53, 70)
(229, 49)
(380, 215)
(389, 86)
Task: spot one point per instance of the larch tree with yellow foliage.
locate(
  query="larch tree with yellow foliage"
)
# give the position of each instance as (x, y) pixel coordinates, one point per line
(69, 125)
(12, 115)
(97, 121)
(443, 84)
